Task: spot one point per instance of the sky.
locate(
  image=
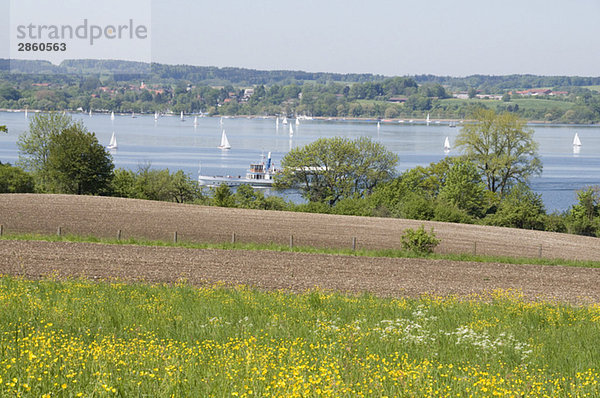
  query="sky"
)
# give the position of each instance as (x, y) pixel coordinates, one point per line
(402, 37)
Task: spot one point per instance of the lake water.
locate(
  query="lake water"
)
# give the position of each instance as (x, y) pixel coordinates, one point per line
(173, 144)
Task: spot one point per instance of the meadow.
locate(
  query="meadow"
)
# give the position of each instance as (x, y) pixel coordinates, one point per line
(70, 338)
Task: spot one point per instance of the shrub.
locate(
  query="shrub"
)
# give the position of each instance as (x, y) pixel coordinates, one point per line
(419, 241)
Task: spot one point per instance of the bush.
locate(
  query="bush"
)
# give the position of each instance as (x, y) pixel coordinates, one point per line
(419, 241)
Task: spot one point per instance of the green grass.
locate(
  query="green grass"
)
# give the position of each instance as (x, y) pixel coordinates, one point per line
(524, 103)
(81, 338)
(387, 253)
(593, 88)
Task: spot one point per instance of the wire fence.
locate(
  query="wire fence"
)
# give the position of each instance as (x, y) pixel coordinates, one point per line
(447, 245)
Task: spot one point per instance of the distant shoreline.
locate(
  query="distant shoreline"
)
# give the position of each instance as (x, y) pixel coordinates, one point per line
(320, 118)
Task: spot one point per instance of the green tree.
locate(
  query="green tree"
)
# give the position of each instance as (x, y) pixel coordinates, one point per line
(15, 180)
(584, 217)
(34, 145)
(123, 184)
(331, 169)
(519, 208)
(78, 164)
(152, 184)
(502, 148)
(223, 197)
(184, 188)
(464, 188)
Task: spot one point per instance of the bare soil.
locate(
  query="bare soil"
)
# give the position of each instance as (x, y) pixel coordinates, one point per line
(103, 217)
(296, 271)
(275, 270)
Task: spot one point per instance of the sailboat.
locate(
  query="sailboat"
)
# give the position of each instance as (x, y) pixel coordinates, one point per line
(156, 116)
(113, 142)
(291, 130)
(112, 116)
(277, 123)
(285, 121)
(133, 115)
(378, 125)
(181, 117)
(428, 121)
(90, 112)
(576, 140)
(224, 142)
(195, 121)
(25, 113)
(297, 122)
(447, 145)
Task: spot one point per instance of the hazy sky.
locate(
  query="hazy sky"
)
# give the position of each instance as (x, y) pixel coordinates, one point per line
(460, 37)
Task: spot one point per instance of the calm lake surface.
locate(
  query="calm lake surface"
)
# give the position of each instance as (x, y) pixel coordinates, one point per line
(173, 144)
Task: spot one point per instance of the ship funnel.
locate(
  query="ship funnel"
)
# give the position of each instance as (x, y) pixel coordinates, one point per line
(268, 162)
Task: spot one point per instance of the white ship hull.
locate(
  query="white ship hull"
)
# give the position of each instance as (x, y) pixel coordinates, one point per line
(215, 181)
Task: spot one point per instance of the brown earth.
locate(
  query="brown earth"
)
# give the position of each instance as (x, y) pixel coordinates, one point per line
(274, 270)
(103, 217)
(296, 271)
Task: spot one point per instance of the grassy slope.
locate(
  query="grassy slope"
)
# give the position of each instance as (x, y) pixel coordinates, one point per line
(78, 337)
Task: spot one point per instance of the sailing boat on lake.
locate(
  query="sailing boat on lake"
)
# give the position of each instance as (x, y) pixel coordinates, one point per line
(113, 142)
(576, 140)
(195, 121)
(291, 130)
(112, 116)
(224, 142)
(447, 145)
(181, 117)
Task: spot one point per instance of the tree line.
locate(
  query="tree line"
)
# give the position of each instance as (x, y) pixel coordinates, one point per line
(487, 184)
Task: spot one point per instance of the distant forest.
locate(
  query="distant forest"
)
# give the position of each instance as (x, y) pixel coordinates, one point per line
(104, 85)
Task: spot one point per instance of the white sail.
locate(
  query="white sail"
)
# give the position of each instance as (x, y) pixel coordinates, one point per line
(25, 113)
(112, 116)
(291, 130)
(378, 125)
(576, 140)
(224, 141)
(181, 117)
(90, 112)
(297, 122)
(113, 142)
(285, 121)
(277, 122)
(447, 144)
(133, 115)
(195, 121)
(428, 118)
(156, 115)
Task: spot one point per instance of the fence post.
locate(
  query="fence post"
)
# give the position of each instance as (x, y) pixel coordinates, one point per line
(175, 237)
(59, 231)
(119, 235)
(233, 237)
(475, 248)
(291, 241)
(354, 243)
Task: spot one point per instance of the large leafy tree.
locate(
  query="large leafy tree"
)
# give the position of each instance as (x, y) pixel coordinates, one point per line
(331, 169)
(34, 145)
(502, 148)
(77, 164)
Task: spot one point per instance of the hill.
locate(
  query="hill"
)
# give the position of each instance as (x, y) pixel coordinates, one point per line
(280, 270)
